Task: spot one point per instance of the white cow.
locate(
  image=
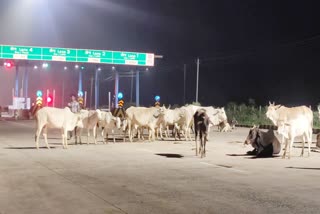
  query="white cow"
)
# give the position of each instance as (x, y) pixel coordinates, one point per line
(144, 117)
(63, 119)
(177, 118)
(281, 114)
(298, 127)
(109, 122)
(90, 120)
(216, 115)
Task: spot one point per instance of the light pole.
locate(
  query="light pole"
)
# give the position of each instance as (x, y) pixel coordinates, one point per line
(197, 89)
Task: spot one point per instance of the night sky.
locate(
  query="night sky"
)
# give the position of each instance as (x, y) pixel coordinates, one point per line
(265, 50)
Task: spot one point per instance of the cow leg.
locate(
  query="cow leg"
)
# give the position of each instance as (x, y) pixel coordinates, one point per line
(45, 135)
(290, 147)
(38, 132)
(94, 132)
(285, 148)
(76, 133)
(309, 141)
(114, 136)
(201, 144)
(196, 137)
(204, 144)
(129, 133)
(63, 135)
(303, 142)
(66, 139)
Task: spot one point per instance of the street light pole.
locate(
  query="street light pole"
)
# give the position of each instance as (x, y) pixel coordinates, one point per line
(184, 83)
(197, 89)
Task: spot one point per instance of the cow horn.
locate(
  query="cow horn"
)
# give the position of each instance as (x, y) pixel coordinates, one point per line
(169, 106)
(269, 103)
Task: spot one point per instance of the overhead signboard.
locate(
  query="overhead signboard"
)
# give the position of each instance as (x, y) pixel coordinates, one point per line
(76, 55)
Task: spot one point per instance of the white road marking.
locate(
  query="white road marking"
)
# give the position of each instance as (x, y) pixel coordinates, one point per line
(205, 163)
(145, 150)
(222, 167)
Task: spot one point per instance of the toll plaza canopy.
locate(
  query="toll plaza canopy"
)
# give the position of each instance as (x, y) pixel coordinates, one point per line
(76, 55)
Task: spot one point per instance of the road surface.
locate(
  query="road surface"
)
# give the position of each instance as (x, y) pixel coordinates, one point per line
(157, 177)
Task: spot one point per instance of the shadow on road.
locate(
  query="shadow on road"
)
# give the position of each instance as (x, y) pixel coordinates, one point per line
(251, 156)
(29, 147)
(170, 155)
(308, 168)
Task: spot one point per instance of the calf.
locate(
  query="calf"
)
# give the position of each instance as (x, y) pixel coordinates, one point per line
(299, 127)
(109, 122)
(265, 144)
(201, 126)
(90, 120)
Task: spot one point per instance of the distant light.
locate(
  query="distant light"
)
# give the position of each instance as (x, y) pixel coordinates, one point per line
(99, 69)
(82, 67)
(113, 68)
(8, 64)
(120, 95)
(80, 94)
(76, 66)
(35, 67)
(45, 65)
(65, 68)
(39, 93)
(49, 99)
(147, 69)
(157, 98)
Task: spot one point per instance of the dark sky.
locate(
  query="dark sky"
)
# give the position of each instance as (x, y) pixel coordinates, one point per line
(265, 50)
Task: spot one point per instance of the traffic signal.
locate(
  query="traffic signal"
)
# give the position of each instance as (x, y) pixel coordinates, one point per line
(120, 103)
(49, 100)
(8, 64)
(157, 99)
(39, 98)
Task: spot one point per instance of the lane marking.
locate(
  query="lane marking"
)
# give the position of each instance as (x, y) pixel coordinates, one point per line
(220, 166)
(205, 163)
(145, 150)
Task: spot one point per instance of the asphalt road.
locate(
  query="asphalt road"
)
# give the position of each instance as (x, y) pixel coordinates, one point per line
(144, 177)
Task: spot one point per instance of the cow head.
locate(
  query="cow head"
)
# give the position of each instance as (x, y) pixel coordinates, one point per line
(252, 136)
(216, 115)
(79, 122)
(272, 113)
(160, 111)
(99, 114)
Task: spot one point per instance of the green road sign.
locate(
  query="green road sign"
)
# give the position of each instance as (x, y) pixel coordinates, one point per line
(59, 54)
(76, 55)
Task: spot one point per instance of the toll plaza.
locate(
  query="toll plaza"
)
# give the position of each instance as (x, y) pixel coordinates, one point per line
(25, 59)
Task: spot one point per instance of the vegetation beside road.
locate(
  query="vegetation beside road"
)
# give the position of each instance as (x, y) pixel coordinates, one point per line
(250, 114)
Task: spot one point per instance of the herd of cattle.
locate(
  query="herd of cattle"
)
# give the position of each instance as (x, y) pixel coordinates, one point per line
(291, 122)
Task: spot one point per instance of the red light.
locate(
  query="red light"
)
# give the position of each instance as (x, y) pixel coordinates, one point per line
(8, 64)
(49, 99)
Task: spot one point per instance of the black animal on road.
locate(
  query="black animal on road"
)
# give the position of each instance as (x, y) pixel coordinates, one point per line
(201, 125)
(265, 144)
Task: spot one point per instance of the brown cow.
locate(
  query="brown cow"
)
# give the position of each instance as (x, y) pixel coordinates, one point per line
(265, 144)
(201, 126)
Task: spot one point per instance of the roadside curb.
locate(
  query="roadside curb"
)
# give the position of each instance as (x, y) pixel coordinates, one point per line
(315, 131)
